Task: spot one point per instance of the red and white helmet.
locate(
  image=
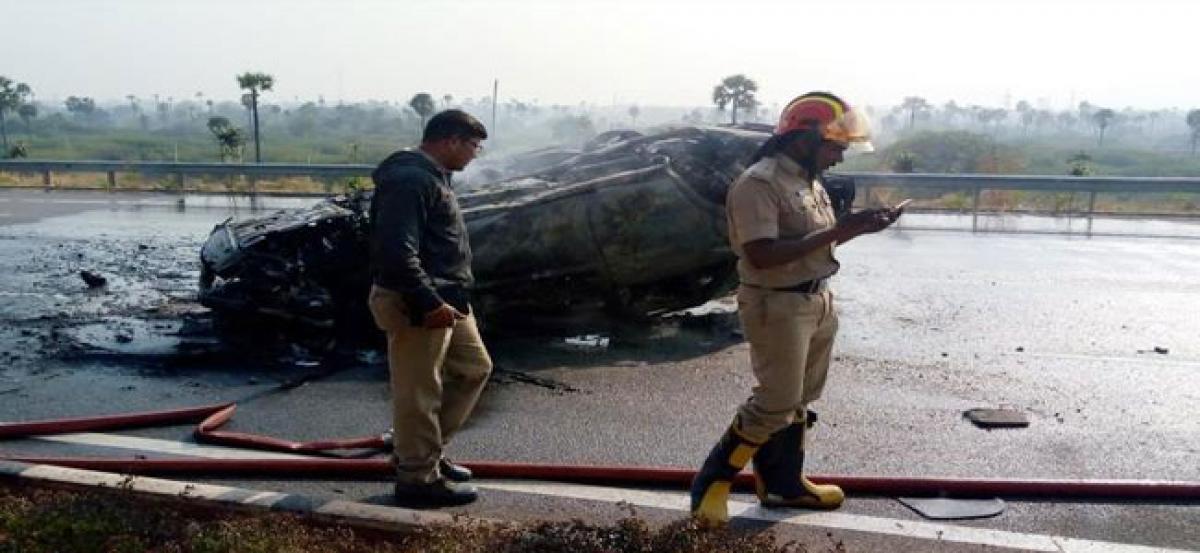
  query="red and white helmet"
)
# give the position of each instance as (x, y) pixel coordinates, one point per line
(831, 116)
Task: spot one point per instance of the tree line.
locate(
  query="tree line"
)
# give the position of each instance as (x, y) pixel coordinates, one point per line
(232, 127)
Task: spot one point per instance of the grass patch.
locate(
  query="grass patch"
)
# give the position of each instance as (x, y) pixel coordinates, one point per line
(37, 520)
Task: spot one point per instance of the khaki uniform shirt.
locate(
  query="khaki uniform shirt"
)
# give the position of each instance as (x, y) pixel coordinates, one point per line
(772, 199)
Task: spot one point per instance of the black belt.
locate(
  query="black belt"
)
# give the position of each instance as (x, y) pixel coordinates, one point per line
(806, 287)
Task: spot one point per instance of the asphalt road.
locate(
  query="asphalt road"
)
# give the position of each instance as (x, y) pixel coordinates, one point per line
(1067, 330)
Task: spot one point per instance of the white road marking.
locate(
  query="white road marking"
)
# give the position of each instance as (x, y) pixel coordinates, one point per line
(166, 446)
(71, 201)
(106, 202)
(842, 521)
(676, 501)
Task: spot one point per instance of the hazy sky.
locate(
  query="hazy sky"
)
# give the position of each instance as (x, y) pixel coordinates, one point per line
(1115, 54)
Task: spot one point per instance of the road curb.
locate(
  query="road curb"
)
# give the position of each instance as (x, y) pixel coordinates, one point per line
(350, 513)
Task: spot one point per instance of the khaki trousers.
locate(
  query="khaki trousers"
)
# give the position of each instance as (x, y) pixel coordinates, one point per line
(791, 339)
(437, 376)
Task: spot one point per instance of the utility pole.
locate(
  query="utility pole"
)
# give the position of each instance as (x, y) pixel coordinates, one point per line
(495, 91)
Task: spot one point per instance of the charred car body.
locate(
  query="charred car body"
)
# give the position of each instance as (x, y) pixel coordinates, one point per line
(627, 230)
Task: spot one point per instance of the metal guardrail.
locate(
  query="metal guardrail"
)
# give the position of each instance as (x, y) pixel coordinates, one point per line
(972, 183)
(976, 184)
(863, 180)
(253, 171)
(1045, 183)
(261, 170)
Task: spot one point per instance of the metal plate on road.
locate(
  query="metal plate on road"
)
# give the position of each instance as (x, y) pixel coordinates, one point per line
(996, 418)
(942, 508)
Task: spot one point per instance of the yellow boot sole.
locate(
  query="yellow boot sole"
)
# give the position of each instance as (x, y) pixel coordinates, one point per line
(819, 496)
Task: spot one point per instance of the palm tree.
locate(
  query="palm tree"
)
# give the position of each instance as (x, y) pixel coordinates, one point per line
(12, 97)
(423, 104)
(1027, 114)
(255, 83)
(737, 92)
(914, 105)
(1193, 122)
(27, 112)
(1102, 118)
(951, 112)
(82, 107)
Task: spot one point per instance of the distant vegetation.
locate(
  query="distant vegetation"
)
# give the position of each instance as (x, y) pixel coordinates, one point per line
(960, 151)
(917, 136)
(914, 135)
(13, 99)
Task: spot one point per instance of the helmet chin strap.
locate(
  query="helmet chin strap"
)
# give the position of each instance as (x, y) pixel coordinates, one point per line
(807, 143)
(810, 167)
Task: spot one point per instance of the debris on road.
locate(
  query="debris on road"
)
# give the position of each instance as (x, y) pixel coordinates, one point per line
(996, 418)
(93, 280)
(502, 376)
(587, 342)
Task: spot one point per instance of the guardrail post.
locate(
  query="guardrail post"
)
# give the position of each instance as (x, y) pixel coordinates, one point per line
(179, 184)
(47, 179)
(1091, 210)
(111, 183)
(975, 210)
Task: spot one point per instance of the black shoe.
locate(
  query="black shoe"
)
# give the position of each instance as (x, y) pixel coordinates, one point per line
(452, 471)
(440, 493)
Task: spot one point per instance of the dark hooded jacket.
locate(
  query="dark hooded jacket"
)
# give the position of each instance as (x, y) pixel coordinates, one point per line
(419, 244)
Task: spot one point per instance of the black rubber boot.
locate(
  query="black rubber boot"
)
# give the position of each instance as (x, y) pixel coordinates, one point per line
(453, 472)
(439, 493)
(779, 472)
(710, 488)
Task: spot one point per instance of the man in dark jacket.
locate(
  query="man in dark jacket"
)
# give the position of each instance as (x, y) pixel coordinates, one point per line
(421, 268)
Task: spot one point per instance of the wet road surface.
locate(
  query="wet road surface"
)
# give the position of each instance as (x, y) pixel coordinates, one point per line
(1067, 330)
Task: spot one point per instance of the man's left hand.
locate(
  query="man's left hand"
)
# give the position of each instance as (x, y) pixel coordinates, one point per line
(871, 220)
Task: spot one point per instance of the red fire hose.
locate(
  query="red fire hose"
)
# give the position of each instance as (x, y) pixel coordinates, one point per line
(214, 416)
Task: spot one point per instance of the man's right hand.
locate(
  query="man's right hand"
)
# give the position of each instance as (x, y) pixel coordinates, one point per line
(442, 316)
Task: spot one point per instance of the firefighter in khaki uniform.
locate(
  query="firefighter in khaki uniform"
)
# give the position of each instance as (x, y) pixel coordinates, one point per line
(783, 230)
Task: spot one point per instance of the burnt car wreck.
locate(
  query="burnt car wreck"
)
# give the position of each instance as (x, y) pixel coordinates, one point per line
(626, 231)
